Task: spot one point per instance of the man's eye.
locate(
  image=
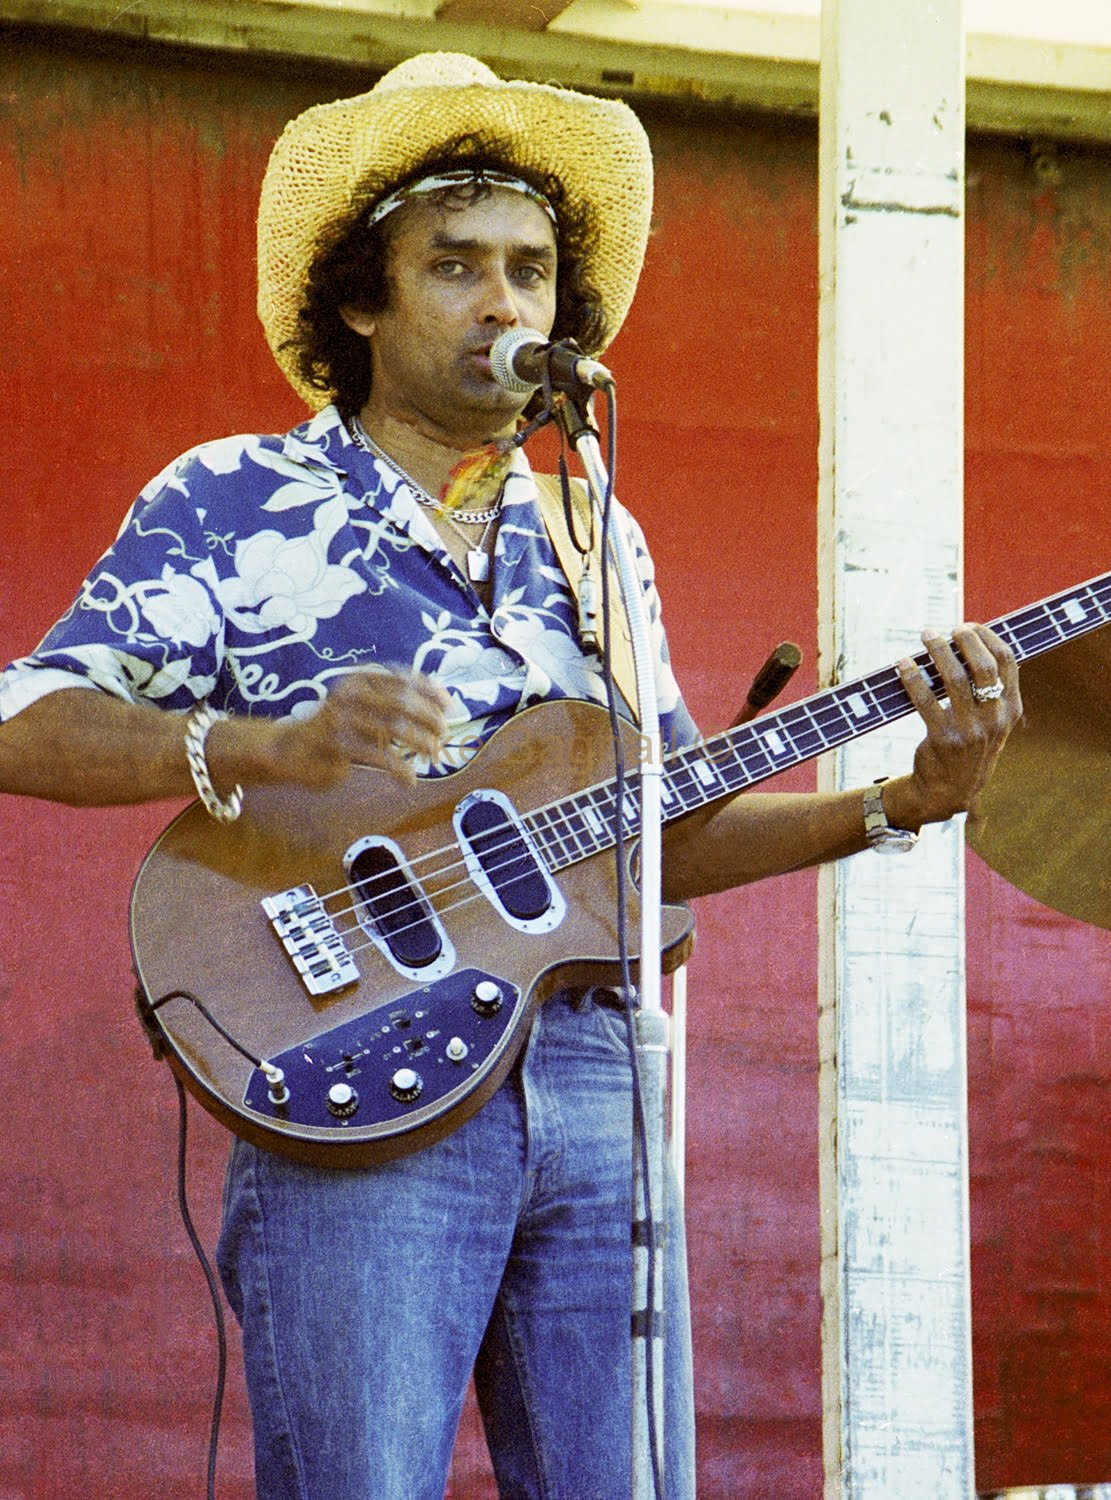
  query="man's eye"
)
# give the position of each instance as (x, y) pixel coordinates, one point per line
(532, 275)
(450, 268)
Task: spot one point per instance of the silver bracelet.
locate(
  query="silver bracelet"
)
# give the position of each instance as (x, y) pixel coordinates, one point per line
(199, 722)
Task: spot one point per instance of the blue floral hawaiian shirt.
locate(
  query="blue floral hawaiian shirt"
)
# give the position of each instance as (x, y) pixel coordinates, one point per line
(255, 570)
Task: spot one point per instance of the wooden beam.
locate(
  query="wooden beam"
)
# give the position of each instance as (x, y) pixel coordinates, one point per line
(896, 1325)
(522, 15)
(1016, 86)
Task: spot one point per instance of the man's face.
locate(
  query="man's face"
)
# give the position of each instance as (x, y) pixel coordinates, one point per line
(458, 277)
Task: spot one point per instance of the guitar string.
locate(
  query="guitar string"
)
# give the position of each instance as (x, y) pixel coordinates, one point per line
(727, 757)
(723, 751)
(884, 692)
(510, 844)
(436, 901)
(562, 827)
(725, 745)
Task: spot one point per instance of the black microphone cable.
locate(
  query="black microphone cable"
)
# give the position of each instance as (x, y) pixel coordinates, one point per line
(213, 1291)
(148, 1010)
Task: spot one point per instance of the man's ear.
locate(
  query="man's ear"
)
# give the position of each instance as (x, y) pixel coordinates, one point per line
(359, 322)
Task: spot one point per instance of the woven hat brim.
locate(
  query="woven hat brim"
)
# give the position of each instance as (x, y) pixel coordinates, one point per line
(325, 157)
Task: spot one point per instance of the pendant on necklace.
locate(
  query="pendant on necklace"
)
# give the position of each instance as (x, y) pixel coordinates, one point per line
(478, 565)
(590, 608)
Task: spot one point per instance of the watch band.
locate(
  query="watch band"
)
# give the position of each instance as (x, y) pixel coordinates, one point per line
(878, 831)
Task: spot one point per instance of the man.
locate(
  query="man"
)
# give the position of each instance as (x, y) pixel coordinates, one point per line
(379, 587)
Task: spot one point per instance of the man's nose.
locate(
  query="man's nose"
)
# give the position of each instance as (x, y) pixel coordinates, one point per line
(499, 301)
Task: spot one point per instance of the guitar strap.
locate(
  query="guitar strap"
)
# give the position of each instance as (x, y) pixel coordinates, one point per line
(550, 495)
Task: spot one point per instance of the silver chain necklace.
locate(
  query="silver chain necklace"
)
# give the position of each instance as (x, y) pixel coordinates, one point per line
(362, 439)
(478, 559)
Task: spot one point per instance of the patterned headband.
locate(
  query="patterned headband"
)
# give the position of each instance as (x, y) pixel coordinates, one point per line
(463, 177)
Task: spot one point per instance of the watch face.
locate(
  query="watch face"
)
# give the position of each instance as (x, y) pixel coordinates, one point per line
(894, 841)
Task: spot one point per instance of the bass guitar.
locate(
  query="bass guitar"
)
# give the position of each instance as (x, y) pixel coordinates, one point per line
(346, 976)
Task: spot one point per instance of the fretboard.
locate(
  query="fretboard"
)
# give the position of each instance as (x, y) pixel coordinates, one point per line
(584, 823)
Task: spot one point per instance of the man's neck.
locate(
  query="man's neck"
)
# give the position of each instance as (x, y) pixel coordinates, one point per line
(425, 457)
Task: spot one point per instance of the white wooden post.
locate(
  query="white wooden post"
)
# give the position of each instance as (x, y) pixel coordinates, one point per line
(897, 1389)
(679, 1078)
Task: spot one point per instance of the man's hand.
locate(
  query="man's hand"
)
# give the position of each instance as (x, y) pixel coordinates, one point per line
(758, 834)
(383, 719)
(964, 736)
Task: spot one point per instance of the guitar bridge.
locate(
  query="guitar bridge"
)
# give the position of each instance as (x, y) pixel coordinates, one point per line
(311, 939)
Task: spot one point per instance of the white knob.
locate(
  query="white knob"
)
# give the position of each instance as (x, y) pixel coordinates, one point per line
(487, 998)
(406, 1085)
(342, 1100)
(457, 1049)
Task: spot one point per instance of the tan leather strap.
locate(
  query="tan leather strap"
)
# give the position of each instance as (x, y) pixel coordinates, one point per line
(551, 509)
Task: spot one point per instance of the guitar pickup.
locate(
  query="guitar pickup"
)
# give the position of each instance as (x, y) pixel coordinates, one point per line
(310, 938)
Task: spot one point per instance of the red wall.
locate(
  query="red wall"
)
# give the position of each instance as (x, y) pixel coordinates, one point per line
(130, 334)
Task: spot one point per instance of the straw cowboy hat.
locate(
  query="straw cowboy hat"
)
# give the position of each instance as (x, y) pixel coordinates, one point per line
(366, 145)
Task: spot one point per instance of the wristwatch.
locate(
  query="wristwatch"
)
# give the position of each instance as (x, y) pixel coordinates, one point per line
(878, 831)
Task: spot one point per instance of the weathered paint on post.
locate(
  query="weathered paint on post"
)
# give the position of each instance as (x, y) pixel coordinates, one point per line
(897, 1392)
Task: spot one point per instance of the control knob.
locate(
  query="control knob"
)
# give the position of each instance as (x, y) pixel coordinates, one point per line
(343, 1101)
(487, 998)
(406, 1085)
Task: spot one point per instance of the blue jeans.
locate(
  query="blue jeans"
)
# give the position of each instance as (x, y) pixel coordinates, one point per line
(368, 1297)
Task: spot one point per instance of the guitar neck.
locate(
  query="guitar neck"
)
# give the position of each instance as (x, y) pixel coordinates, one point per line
(584, 824)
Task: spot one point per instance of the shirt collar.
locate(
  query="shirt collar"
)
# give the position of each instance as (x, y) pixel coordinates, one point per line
(319, 442)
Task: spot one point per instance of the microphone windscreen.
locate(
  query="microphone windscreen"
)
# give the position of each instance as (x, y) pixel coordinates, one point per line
(502, 353)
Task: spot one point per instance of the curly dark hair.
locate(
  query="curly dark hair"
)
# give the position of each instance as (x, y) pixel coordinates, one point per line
(351, 265)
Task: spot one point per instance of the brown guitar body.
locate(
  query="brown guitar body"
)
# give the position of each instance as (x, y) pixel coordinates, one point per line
(197, 925)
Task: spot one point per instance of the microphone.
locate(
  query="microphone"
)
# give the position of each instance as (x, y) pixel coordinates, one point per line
(520, 358)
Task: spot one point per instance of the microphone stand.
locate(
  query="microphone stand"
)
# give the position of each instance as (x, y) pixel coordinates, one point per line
(651, 1021)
